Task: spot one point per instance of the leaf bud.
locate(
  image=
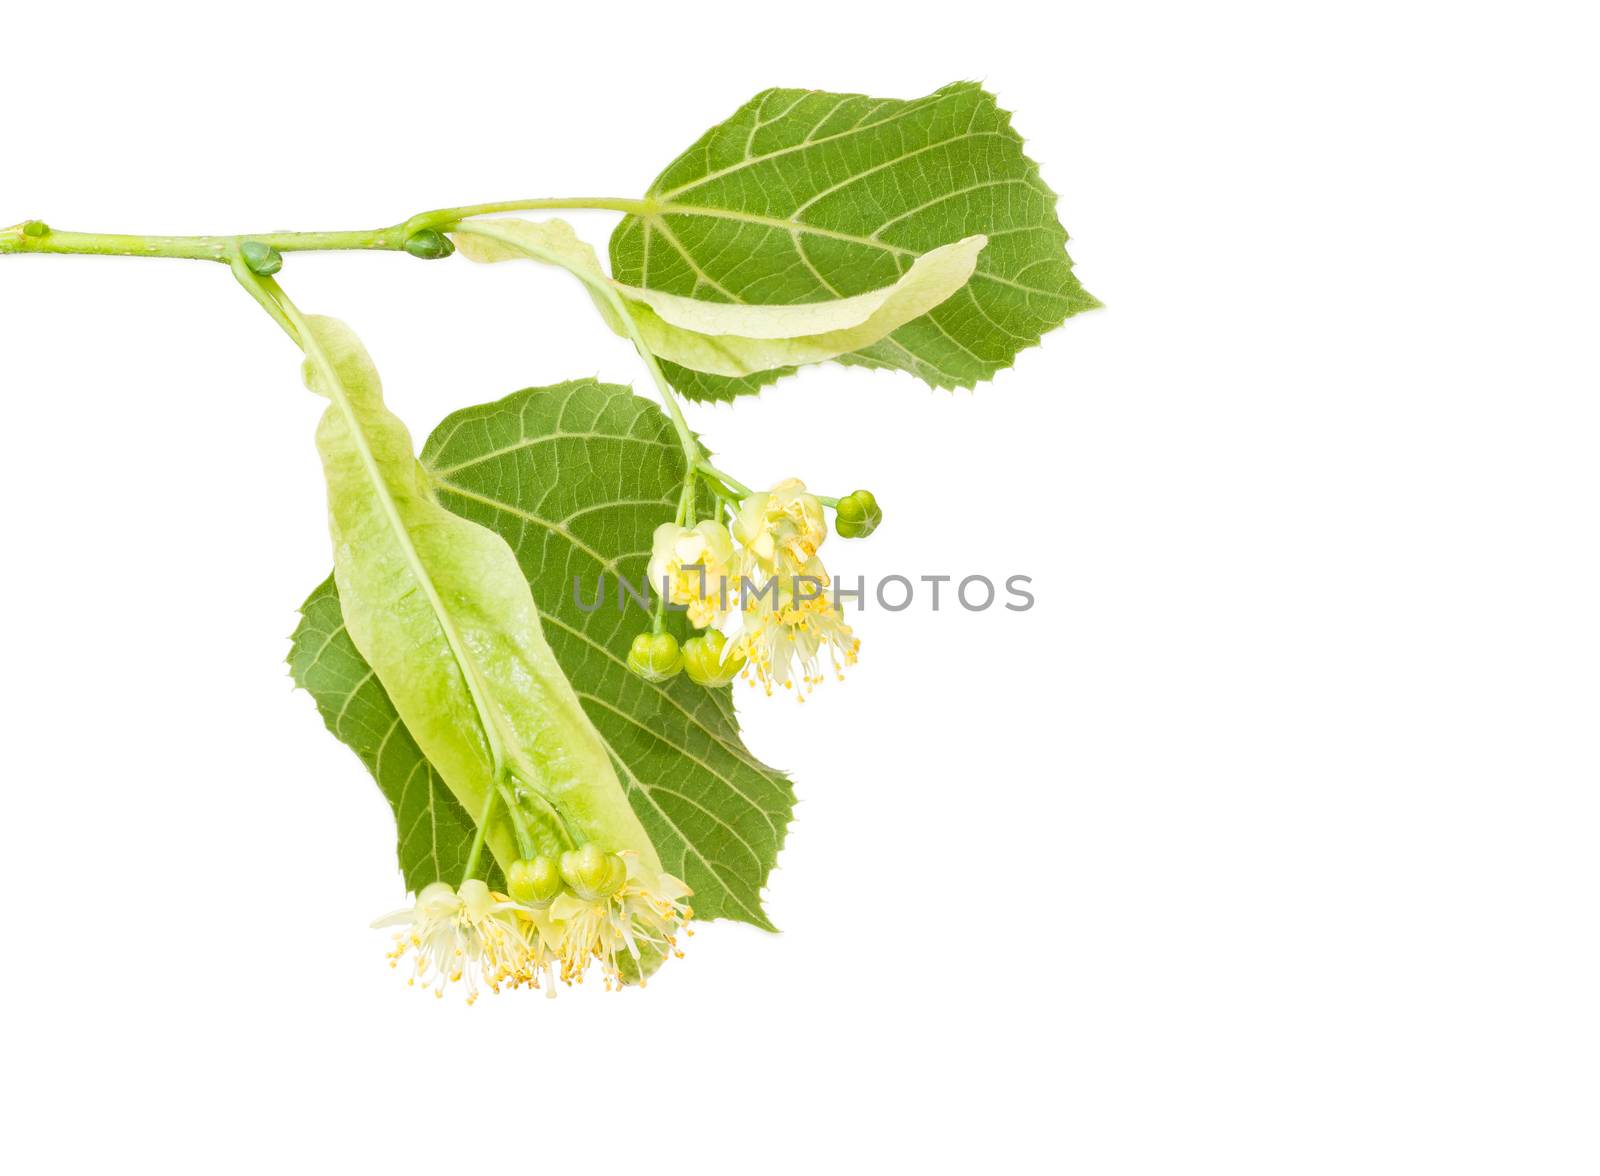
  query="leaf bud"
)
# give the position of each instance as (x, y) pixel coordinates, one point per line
(261, 258)
(707, 662)
(35, 228)
(857, 515)
(655, 657)
(592, 873)
(429, 245)
(534, 882)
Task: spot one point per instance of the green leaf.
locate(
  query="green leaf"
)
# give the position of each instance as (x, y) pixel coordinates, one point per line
(805, 196)
(728, 338)
(435, 832)
(576, 478)
(439, 609)
(706, 387)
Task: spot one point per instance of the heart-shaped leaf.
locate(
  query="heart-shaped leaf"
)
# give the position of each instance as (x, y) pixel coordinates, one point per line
(803, 196)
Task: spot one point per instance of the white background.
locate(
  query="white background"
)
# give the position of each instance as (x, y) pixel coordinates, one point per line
(1264, 844)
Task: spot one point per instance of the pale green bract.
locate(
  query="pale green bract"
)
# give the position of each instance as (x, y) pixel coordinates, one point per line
(932, 278)
(733, 339)
(803, 196)
(439, 609)
(576, 478)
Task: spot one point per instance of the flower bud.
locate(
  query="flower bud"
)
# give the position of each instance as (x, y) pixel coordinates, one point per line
(261, 258)
(429, 245)
(592, 873)
(477, 900)
(655, 657)
(534, 882)
(437, 900)
(707, 662)
(857, 515)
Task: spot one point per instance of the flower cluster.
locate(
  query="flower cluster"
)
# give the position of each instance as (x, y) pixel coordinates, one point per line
(470, 935)
(562, 917)
(759, 589)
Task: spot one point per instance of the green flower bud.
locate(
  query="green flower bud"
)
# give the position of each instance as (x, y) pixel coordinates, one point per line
(706, 662)
(655, 657)
(35, 228)
(534, 882)
(857, 515)
(592, 872)
(261, 258)
(429, 245)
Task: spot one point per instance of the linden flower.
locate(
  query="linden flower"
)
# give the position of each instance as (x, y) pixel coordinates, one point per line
(472, 935)
(696, 565)
(780, 530)
(644, 914)
(788, 624)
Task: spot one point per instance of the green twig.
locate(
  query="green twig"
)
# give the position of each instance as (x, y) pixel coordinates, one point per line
(35, 237)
